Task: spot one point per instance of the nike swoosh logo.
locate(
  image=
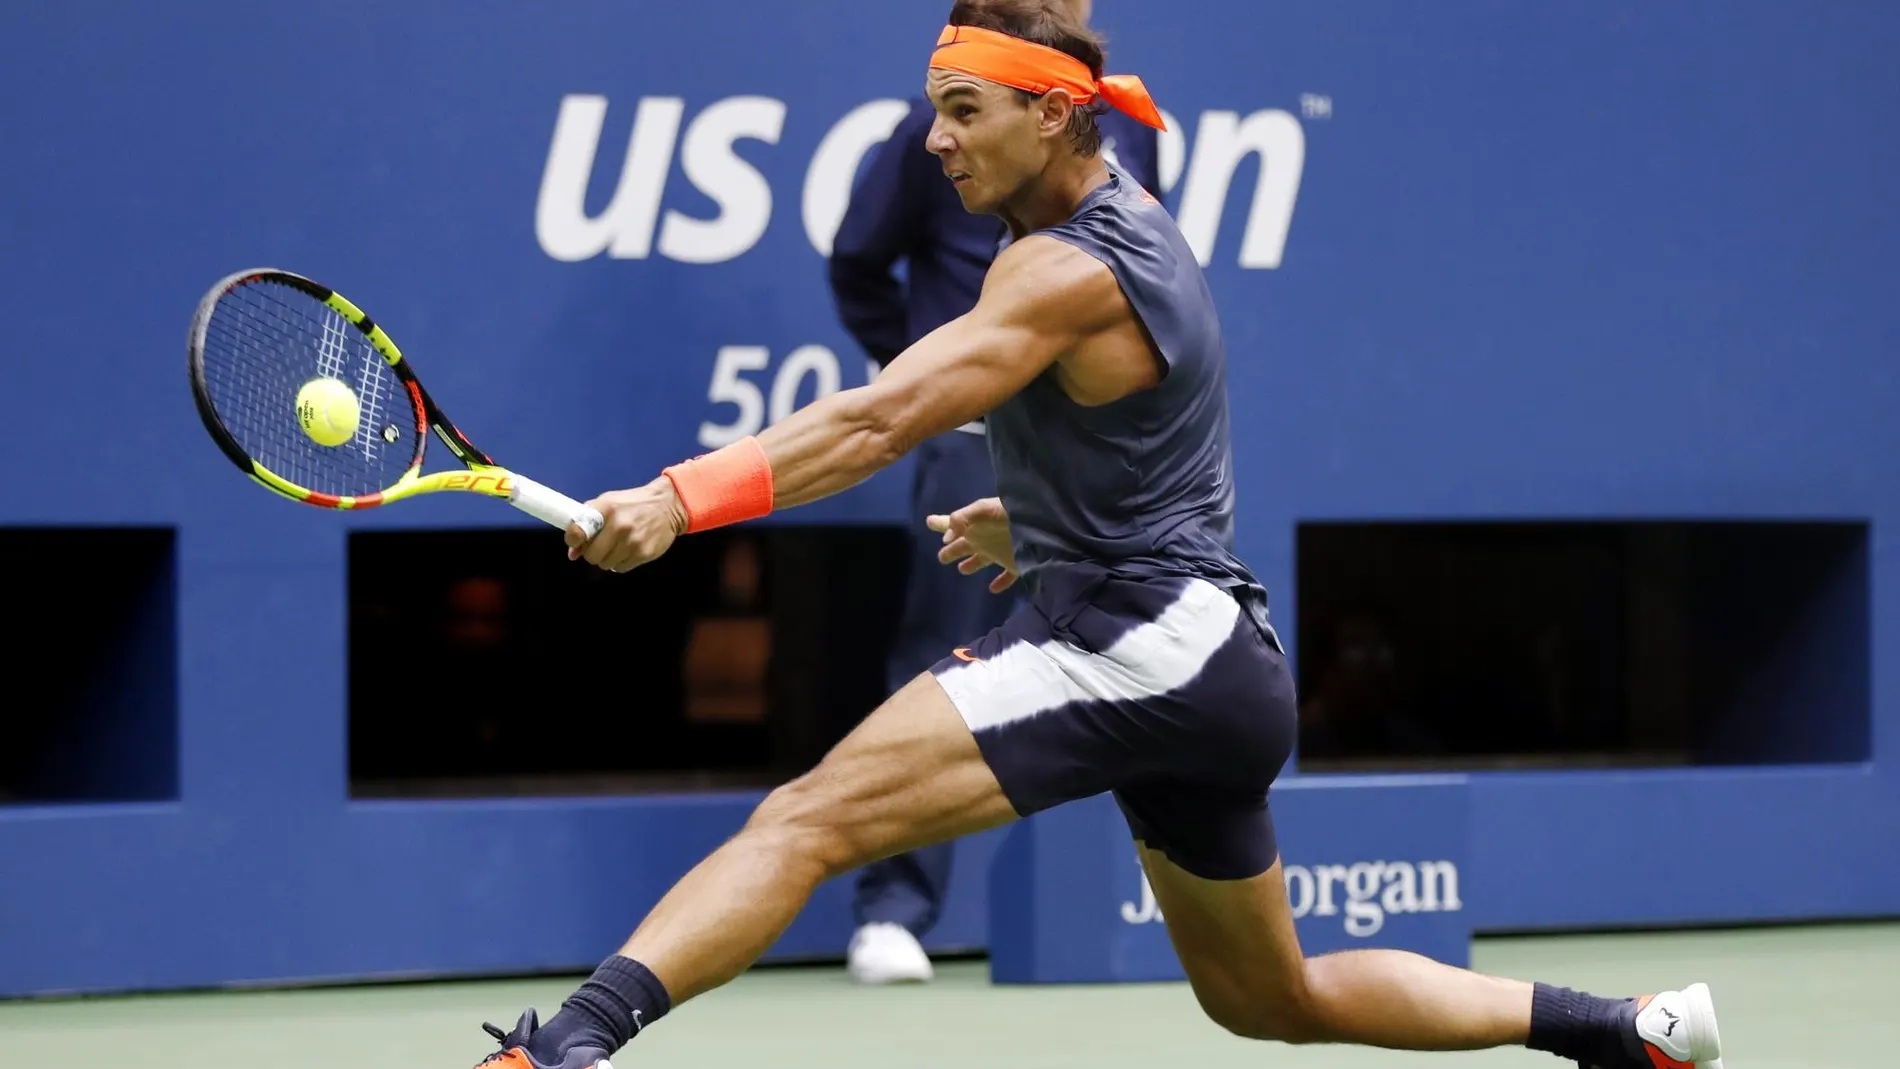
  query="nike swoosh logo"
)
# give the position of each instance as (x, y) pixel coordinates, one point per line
(963, 654)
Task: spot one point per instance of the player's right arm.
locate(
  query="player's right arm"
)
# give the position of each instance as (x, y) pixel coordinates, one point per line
(1041, 299)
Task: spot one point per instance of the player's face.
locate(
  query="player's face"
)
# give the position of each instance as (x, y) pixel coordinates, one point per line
(987, 139)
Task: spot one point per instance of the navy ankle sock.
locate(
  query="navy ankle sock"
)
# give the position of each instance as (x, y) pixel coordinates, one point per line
(614, 1005)
(1582, 1028)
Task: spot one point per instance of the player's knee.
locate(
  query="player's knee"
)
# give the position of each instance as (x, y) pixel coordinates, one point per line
(800, 820)
(1282, 1016)
(1281, 1024)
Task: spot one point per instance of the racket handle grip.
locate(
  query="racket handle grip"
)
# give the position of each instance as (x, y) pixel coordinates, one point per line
(552, 506)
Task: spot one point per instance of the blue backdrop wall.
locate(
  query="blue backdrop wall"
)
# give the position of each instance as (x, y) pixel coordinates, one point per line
(1475, 259)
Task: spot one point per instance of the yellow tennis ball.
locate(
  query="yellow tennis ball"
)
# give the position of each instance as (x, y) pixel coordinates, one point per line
(326, 408)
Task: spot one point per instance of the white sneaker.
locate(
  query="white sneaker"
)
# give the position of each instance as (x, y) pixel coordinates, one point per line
(1678, 1029)
(888, 954)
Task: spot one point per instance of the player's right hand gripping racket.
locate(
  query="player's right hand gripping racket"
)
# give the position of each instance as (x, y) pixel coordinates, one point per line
(308, 396)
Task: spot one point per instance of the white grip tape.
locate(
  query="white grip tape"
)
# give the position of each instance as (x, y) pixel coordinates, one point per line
(553, 507)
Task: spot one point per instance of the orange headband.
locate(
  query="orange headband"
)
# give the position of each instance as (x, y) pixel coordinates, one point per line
(1034, 68)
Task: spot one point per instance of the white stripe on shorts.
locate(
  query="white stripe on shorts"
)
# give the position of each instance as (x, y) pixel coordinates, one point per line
(1152, 659)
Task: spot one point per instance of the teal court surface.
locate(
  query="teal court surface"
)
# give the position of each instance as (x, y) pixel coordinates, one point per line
(1821, 997)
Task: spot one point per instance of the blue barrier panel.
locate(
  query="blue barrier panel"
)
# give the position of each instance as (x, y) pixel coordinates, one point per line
(1617, 849)
(1463, 273)
(1368, 862)
(157, 896)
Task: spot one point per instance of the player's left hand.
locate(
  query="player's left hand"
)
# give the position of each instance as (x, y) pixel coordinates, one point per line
(975, 537)
(638, 526)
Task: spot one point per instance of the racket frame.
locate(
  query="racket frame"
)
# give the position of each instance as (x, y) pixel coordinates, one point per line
(480, 474)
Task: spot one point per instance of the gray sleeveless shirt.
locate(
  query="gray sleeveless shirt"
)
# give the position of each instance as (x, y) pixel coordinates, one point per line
(1141, 487)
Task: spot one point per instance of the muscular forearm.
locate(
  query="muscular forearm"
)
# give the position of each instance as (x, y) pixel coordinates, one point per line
(828, 447)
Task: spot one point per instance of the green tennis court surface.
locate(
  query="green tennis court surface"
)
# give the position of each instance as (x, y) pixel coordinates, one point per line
(1825, 997)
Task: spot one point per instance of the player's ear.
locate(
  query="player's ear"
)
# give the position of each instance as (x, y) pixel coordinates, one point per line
(1053, 111)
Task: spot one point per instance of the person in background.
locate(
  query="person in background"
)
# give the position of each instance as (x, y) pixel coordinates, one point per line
(905, 209)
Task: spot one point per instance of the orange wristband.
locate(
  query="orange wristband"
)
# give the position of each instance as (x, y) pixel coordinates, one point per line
(729, 485)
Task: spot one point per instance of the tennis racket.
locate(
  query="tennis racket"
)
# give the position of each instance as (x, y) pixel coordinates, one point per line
(309, 397)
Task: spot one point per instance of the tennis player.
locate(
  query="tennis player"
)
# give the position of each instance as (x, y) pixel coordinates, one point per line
(1141, 661)
(905, 210)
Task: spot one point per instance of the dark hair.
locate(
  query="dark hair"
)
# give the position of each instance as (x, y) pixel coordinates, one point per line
(1049, 23)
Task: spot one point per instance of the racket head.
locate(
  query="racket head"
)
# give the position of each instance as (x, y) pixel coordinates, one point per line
(257, 338)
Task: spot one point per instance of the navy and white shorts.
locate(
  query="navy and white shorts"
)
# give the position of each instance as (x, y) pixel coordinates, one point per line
(1166, 692)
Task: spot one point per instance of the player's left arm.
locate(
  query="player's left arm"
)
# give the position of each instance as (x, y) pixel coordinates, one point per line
(1040, 299)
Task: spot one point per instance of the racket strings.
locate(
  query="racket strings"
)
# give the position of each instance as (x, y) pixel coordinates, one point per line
(370, 397)
(266, 340)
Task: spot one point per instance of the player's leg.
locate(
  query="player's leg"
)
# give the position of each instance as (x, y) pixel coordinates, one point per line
(1236, 940)
(1209, 849)
(900, 898)
(910, 775)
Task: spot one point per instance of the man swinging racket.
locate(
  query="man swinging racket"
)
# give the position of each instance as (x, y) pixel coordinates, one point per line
(1140, 662)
